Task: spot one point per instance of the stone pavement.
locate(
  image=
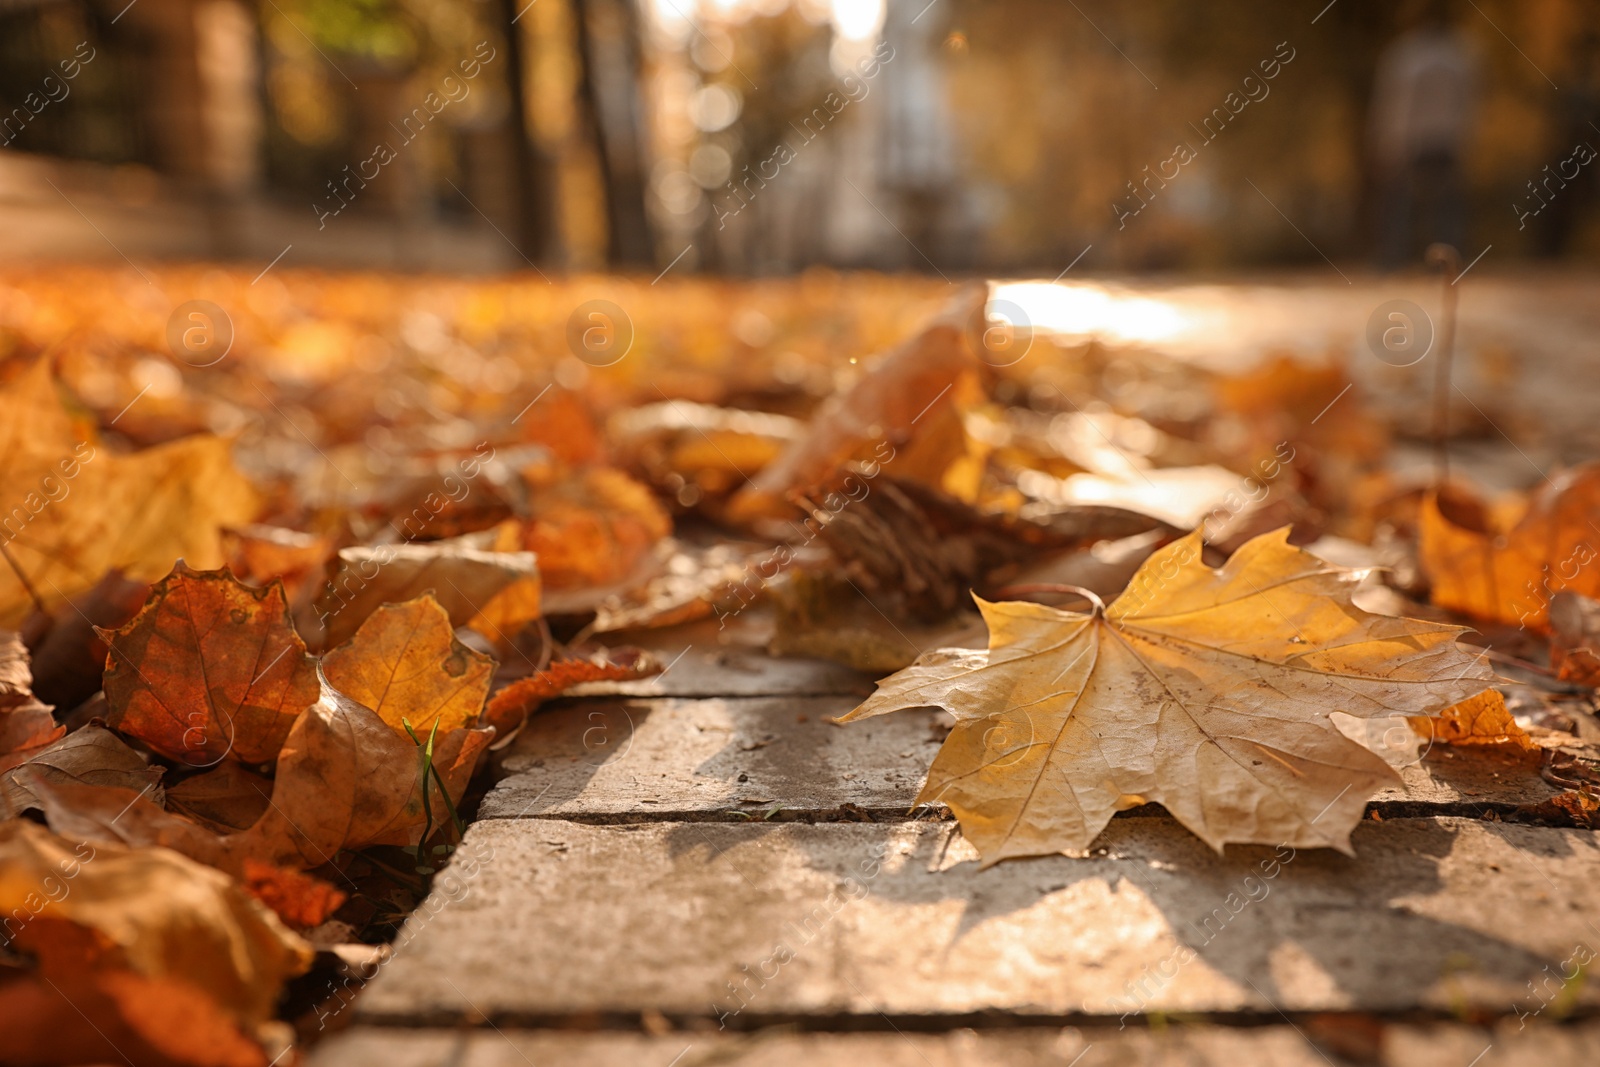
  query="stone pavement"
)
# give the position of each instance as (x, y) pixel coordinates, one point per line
(701, 868)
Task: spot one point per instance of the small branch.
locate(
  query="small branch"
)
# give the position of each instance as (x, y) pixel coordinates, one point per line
(38, 601)
(1448, 260)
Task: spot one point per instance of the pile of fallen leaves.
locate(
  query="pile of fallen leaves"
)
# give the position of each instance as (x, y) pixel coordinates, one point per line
(265, 614)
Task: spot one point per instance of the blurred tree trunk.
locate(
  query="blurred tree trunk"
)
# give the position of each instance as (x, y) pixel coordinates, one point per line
(531, 169)
(612, 104)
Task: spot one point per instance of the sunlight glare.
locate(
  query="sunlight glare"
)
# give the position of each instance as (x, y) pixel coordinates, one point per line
(1086, 308)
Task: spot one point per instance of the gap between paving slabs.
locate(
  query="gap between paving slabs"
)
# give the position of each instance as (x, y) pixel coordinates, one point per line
(653, 768)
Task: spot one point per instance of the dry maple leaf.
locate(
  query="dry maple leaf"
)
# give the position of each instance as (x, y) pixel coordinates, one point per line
(1504, 566)
(209, 669)
(347, 779)
(1206, 691)
(150, 913)
(406, 664)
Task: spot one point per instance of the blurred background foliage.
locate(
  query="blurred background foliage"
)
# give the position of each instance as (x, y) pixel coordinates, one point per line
(626, 133)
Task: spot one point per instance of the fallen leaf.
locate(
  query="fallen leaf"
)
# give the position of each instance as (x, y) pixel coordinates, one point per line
(509, 707)
(94, 510)
(1285, 397)
(1580, 808)
(91, 756)
(1479, 720)
(885, 406)
(479, 583)
(148, 912)
(257, 554)
(25, 723)
(295, 897)
(209, 669)
(107, 815)
(104, 814)
(406, 664)
(1575, 638)
(694, 452)
(562, 423)
(687, 586)
(1504, 564)
(346, 780)
(1206, 691)
(593, 527)
(927, 552)
(227, 799)
(148, 1022)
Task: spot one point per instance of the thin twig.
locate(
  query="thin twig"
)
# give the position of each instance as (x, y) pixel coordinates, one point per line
(38, 601)
(1448, 260)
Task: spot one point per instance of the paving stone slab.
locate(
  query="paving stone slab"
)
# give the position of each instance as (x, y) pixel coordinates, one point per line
(697, 758)
(602, 758)
(702, 660)
(748, 923)
(1430, 1045)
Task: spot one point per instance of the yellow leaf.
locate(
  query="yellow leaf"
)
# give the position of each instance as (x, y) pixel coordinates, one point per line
(1480, 720)
(405, 663)
(76, 510)
(1206, 691)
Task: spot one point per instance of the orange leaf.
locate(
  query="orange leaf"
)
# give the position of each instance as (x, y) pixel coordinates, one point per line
(149, 911)
(1485, 564)
(593, 528)
(152, 1022)
(298, 899)
(91, 510)
(209, 669)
